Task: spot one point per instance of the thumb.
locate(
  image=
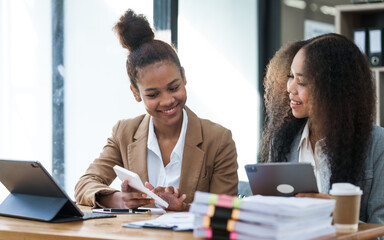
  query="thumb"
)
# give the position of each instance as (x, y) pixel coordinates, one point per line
(183, 197)
(124, 186)
(149, 186)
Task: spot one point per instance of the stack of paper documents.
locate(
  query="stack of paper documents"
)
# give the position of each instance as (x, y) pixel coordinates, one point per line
(261, 217)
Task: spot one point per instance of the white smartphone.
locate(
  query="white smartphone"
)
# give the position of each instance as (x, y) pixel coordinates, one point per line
(135, 182)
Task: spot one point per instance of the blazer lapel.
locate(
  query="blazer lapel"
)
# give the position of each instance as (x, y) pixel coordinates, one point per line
(193, 156)
(137, 151)
(293, 155)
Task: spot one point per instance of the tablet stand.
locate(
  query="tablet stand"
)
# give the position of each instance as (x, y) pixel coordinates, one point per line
(50, 209)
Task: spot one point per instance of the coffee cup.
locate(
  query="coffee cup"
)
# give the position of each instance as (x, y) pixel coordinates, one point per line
(347, 208)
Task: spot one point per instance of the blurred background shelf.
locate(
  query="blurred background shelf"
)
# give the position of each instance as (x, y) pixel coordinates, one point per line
(368, 15)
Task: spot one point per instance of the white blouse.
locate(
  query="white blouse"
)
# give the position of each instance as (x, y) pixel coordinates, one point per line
(160, 176)
(318, 159)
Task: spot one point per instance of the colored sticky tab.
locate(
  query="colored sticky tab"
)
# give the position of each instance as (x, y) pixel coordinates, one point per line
(235, 214)
(233, 236)
(231, 225)
(206, 222)
(224, 201)
(211, 210)
(212, 199)
(208, 233)
(236, 202)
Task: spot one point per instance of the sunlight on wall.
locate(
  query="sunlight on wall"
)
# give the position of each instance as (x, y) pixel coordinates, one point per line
(25, 81)
(219, 56)
(97, 92)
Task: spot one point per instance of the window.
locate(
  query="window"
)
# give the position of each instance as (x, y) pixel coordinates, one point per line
(25, 82)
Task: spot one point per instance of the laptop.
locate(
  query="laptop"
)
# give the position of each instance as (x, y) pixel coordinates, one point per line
(34, 194)
(281, 179)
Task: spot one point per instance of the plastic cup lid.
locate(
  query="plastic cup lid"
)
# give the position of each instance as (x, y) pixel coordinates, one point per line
(345, 189)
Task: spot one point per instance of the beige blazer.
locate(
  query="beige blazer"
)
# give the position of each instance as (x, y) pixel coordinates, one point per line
(209, 161)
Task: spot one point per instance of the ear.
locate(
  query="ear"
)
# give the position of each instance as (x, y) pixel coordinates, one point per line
(136, 93)
(183, 75)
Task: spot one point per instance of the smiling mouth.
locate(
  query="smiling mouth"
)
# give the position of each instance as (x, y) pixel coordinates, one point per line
(295, 103)
(169, 110)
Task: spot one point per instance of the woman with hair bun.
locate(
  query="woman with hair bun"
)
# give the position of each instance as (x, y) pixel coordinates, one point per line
(320, 104)
(174, 152)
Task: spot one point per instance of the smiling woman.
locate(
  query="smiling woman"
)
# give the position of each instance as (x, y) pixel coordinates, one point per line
(162, 89)
(174, 152)
(298, 89)
(322, 113)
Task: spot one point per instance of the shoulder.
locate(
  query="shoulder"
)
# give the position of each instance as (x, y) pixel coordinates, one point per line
(206, 126)
(377, 134)
(212, 127)
(376, 146)
(377, 138)
(128, 125)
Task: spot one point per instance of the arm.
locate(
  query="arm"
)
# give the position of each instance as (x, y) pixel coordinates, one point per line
(127, 198)
(375, 208)
(93, 187)
(224, 178)
(99, 175)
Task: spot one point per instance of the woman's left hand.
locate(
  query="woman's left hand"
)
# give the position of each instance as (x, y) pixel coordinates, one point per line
(314, 195)
(171, 195)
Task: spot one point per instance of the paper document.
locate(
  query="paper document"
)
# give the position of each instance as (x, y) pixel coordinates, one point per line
(180, 221)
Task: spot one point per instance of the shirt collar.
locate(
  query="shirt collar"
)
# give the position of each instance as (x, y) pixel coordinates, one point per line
(304, 141)
(179, 148)
(153, 145)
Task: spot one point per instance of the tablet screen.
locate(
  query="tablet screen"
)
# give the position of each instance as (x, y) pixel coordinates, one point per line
(281, 179)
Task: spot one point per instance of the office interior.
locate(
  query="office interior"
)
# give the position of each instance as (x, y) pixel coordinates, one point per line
(63, 82)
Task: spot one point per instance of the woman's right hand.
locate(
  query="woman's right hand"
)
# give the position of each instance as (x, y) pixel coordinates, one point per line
(172, 196)
(127, 198)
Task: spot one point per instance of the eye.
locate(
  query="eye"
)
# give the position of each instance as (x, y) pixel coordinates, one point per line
(152, 95)
(174, 89)
(301, 81)
(290, 76)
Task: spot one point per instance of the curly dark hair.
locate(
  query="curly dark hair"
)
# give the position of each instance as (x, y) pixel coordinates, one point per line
(343, 103)
(136, 35)
(280, 126)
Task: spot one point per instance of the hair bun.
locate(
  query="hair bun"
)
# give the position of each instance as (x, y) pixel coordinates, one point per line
(133, 30)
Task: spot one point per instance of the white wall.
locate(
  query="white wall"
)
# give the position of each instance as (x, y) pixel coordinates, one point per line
(217, 46)
(97, 90)
(25, 82)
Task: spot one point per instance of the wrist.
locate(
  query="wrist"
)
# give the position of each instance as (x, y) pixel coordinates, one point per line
(109, 200)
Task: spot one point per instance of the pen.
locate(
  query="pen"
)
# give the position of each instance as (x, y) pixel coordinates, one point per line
(122, 210)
